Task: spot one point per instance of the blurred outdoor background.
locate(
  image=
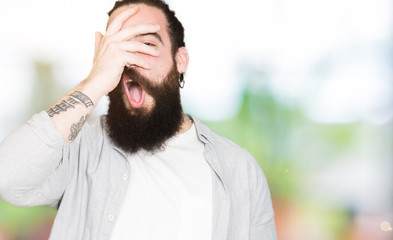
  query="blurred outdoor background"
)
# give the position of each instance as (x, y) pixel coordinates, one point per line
(305, 85)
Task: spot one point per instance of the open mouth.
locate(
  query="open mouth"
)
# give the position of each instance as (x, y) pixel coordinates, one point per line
(134, 91)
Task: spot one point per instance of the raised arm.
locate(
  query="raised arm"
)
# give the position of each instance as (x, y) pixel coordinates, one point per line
(31, 169)
(113, 51)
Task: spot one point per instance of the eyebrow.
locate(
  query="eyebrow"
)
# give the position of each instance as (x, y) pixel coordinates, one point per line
(155, 35)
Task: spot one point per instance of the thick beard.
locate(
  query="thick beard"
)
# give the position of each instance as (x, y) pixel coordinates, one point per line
(144, 129)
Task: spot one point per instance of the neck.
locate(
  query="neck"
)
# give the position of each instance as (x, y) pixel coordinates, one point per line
(185, 125)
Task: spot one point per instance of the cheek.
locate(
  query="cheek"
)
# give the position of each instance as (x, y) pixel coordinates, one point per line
(164, 63)
(161, 66)
(165, 58)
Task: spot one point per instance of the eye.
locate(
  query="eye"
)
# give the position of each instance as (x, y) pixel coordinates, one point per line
(150, 44)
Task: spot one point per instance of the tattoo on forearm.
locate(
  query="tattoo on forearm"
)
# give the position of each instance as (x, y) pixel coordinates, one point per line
(74, 99)
(82, 98)
(76, 127)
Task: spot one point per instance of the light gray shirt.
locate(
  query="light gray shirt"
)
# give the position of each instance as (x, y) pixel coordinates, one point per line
(86, 180)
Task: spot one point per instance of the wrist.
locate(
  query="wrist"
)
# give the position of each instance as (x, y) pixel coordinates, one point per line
(93, 89)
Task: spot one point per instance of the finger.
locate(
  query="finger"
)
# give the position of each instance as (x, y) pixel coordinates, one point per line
(135, 46)
(118, 21)
(130, 32)
(131, 60)
(98, 38)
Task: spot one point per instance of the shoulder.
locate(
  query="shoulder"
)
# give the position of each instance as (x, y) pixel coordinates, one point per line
(228, 151)
(239, 167)
(228, 147)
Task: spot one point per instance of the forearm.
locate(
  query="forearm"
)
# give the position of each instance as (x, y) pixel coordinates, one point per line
(71, 111)
(32, 153)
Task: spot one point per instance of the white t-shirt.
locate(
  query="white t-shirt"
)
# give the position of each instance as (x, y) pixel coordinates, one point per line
(169, 195)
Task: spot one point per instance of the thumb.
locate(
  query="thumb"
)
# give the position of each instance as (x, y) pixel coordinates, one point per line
(98, 38)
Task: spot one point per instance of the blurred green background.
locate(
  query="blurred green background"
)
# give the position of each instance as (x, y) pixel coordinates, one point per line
(305, 86)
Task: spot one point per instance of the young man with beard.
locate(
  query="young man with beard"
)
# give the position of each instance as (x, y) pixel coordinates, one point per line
(145, 170)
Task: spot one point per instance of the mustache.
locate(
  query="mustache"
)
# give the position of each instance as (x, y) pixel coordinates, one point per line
(138, 78)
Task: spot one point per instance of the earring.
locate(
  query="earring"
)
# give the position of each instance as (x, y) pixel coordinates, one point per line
(181, 81)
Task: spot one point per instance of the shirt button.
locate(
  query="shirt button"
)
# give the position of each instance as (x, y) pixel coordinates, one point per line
(125, 176)
(111, 217)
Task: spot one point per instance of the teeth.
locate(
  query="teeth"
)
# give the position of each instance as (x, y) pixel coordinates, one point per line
(129, 81)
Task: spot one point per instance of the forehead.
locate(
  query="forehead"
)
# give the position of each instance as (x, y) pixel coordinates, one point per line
(146, 14)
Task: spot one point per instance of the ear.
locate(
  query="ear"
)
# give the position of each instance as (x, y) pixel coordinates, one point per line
(182, 60)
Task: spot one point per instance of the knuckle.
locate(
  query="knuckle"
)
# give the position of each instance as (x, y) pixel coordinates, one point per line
(106, 40)
(111, 46)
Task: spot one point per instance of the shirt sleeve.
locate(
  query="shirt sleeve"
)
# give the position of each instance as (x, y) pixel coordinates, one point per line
(32, 172)
(263, 226)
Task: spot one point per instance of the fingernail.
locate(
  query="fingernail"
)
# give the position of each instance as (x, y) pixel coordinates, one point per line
(134, 9)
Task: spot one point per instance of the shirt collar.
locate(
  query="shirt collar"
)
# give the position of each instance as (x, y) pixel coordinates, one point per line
(204, 133)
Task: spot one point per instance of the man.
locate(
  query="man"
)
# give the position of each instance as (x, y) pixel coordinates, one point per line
(145, 170)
